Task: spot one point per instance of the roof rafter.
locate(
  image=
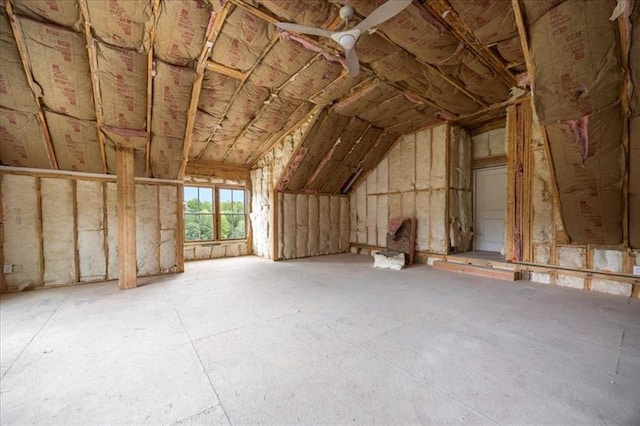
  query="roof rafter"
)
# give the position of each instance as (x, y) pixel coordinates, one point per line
(265, 106)
(95, 79)
(445, 11)
(150, 75)
(26, 64)
(247, 74)
(363, 67)
(216, 20)
(224, 70)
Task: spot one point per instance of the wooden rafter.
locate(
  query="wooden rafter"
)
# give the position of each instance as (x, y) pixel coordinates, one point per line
(216, 20)
(264, 107)
(267, 145)
(150, 73)
(524, 38)
(95, 79)
(443, 9)
(365, 68)
(26, 63)
(264, 53)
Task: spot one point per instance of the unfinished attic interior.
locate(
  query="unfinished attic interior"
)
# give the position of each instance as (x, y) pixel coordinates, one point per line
(240, 166)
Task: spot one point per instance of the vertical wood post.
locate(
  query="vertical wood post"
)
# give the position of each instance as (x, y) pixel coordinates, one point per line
(126, 219)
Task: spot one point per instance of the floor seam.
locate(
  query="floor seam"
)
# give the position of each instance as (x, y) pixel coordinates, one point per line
(195, 350)
(36, 334)
(242, 327)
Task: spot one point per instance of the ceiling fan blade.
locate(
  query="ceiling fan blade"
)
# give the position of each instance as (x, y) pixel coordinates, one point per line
(302, 29)
(353, 64)
(383, 13)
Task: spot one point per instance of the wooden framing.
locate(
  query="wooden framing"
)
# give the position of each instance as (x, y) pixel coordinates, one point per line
(3, 281)
(26, 64)
(95, 80)
(213, 30)
(220, 170)
(265, 106)
(224, 70)
(443, 9)
(447, 197)
(150, 74)
(127, 259)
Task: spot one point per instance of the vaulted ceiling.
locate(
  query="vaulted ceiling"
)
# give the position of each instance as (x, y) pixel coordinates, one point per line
(215, 82)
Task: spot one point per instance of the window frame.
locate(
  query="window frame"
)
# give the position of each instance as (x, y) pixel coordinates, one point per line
(217, 231)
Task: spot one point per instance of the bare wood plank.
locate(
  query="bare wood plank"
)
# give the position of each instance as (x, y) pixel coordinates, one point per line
(213, 30)
(274, 206)
(224, 70)
(95, 80)
(524, 38)
(127, 260)
(40, 231)
(499, 274)
(150, 73)
(221, 170)
(180, 231)
(443, 9)
(26, 64)
(482, 163)
(511, 187)
(526, 189)
(3, 281)
(624, 29)
(76, 251)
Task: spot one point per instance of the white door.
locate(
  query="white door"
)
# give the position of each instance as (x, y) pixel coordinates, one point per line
(490, 208)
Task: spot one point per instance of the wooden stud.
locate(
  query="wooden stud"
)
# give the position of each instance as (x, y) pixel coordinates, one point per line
(127, 259)
(40, 231)
(274, 206)
(105, 226)
(3, 281)
(511, 187)
(95, 80)
(26, 64)
(624, 30)
(159, 228)
(224, 70)
(76, 250)
(248, 210)
(150, 74)
(443, 9)
(180, 231)
(213, 30)
(447, 195)
(527, 179)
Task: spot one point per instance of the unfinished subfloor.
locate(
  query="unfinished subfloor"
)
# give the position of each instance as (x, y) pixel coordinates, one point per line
(328, 339)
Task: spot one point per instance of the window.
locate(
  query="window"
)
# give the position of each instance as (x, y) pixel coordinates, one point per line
(213, 214)
(232, 217)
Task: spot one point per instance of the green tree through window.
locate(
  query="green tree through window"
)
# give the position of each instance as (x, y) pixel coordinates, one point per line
(200, 214)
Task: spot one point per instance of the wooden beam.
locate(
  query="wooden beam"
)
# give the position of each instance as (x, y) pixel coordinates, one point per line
(216, 169)
(224, 70)
(624, 29)
(488, 114)
(95, 79)
(265, 106)
(213, 30)
(3, 281)
(524, 39)
(127, 260)
(481, 163)
(445, 11)
(26, 64)
(150, 74)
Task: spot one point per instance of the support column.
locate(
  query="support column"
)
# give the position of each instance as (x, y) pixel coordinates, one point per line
(126, 219)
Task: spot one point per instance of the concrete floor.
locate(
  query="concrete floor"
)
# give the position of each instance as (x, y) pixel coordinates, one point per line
(323, 340)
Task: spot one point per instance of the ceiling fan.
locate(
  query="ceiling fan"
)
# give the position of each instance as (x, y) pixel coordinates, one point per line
(347, 39)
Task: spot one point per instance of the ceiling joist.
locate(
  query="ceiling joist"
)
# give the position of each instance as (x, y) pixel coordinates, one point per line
(216, 20)
(95, 80)
(224, 70)
(26, 63)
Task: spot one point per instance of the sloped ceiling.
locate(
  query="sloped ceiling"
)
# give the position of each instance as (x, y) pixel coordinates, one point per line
(215, 82)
